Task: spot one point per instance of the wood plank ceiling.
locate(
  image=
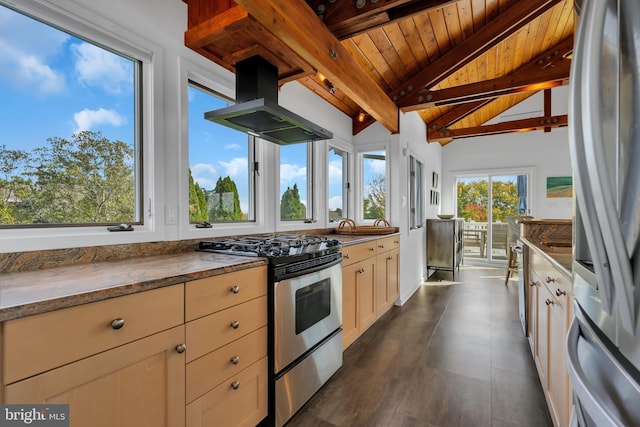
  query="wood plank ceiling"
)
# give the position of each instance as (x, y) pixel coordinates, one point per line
(458, 63)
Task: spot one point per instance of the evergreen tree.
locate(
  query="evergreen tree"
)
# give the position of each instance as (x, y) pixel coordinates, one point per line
(290, 206)
(197, 201)
(225, 203)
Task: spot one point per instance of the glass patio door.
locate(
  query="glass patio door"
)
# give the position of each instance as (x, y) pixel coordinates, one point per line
(485, 201)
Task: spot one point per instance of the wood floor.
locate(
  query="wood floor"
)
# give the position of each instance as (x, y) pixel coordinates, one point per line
(453, 355)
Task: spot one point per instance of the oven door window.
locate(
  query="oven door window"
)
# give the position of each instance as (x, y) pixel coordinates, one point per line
(313, 303)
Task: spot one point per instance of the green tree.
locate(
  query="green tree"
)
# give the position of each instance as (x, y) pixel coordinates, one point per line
(375, 200)
(197, 201)
(225, 201)
(290, 205)
(14, 188)
(473, 199)
(505, 200)
(88, 179)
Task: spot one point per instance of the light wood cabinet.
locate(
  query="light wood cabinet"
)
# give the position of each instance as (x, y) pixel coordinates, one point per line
(370, 284)
(226, 379)
(551, 311)
(140, 384)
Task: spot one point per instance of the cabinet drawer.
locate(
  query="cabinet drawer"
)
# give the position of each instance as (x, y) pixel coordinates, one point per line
(210, 370)
(240, 401)
(206, 296)
(215, 330)
(38, 343)
(356, 253)
(387, 244)
(557, 283)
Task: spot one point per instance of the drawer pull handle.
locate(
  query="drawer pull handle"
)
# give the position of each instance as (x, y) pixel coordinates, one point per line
(235, 360)
(235, 289)
(346, 256)
(117, 323)
(532, 283)
(389, 258)
(560, 292)
(181, 348)
(235, 324)
(361, 270)
(381, 246)
(372, 249)
(397, 242)
(235, 385)
(548, 302)
(550, 279)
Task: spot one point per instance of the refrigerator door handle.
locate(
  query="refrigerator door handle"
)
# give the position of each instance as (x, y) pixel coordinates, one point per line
(584, 192)
(583, 391)
(618, 258)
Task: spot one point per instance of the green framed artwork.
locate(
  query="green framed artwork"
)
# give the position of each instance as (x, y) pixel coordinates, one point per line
(559, 187)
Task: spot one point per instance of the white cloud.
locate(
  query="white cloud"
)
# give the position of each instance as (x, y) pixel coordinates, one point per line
(335, 172)
(335, 202)
(289, 172)
(87, 119)
(98, 67)
(29, 71)
(235, 167)
(378, 166)
(205, 175)
(232, 147)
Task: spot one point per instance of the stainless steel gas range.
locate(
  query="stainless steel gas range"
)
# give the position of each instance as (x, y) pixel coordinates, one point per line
(305, 313)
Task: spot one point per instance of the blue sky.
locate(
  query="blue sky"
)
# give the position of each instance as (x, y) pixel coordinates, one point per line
(54, 85)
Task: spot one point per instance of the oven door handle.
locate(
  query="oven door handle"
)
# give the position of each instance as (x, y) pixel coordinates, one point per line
(281, 277)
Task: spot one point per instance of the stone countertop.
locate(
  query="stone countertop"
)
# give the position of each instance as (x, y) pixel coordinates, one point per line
(560, 257)
(27, 293)
(354, 239)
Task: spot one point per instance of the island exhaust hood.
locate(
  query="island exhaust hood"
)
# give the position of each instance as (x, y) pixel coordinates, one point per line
(257, 111)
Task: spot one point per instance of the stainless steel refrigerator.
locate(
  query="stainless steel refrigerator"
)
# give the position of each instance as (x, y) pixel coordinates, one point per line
(603, 343)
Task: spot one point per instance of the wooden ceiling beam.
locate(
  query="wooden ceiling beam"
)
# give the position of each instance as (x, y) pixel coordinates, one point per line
(297, 26)
(511, 84)
(505, 24)
(346, 20)
(523, 125)
(436, 128)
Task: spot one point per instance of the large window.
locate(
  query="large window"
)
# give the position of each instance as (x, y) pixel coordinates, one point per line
(70, 139)
(221, 175)
(338, 189)
(415, 193)
(296, 179)
(373, 167)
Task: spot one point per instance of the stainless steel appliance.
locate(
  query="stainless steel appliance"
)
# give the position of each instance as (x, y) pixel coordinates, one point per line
(305, 314)
(257, 111)
(603, 343)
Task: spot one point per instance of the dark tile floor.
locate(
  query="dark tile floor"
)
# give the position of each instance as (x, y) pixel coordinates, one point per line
(453, 355)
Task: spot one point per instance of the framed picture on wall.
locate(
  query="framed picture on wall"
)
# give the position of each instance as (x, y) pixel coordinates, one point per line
(434, 180)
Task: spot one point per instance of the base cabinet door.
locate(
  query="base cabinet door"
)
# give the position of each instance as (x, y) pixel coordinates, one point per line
(366, 285)
(387, 281)
(558, 378)
(239, 401)
(350, 323)
(140, 384)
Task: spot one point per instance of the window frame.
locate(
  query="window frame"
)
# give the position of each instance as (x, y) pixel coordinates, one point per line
(80, 22)
(219, 84)
(416, 193)
(359, 204)
(251, 156)
(311, 215)
(346, 180)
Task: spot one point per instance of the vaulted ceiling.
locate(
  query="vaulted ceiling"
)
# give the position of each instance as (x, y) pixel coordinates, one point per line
(457, 63)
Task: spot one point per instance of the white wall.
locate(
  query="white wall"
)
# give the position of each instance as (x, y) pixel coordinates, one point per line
(411, 141)
(546, 153)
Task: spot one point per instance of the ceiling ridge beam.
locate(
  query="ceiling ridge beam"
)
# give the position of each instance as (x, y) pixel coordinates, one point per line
(522, 125)
(489, 35)
(290, 21)
(511, 84)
